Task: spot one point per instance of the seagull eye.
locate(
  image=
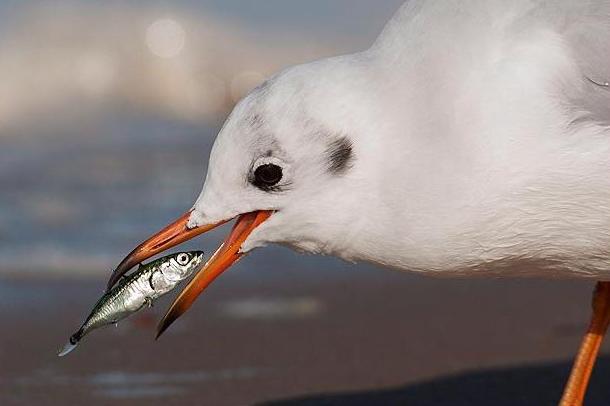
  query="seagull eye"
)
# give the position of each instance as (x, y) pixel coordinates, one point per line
(267, 176)
(183, 259)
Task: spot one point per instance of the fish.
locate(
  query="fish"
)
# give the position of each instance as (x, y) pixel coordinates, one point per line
(137, 290)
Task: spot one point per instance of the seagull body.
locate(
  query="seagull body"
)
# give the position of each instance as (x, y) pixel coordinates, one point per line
(471, 138)
(479, 144)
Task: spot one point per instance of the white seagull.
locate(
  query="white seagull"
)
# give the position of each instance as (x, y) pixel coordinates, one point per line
(472, 138)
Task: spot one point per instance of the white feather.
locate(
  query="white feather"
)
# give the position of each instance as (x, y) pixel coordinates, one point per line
(480, 136)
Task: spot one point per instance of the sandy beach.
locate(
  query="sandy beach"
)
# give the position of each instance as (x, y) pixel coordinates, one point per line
(358, 336)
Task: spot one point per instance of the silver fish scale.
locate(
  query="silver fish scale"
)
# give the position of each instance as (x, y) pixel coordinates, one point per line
(128, 298)
(146, 284)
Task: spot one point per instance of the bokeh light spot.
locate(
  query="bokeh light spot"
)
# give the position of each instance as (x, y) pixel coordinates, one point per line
(165, 38)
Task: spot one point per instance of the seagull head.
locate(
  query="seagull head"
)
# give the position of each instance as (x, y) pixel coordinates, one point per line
(284, 165)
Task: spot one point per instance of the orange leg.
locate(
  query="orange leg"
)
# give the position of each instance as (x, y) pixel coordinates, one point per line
(574, 392)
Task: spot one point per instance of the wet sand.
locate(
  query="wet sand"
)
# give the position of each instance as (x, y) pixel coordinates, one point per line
(348, 337)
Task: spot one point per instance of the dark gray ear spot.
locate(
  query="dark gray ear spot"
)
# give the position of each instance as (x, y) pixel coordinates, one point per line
(340, 155)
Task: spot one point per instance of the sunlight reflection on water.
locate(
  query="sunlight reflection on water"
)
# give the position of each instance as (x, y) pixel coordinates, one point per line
(270, 308)
(125, 385)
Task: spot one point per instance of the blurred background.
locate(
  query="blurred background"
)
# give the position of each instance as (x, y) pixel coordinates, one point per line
(108, 111)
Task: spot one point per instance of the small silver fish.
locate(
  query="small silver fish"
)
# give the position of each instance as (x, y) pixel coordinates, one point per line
(136, 290)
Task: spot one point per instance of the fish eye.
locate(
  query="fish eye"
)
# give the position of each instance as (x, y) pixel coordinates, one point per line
(267, 176)
(182, 259)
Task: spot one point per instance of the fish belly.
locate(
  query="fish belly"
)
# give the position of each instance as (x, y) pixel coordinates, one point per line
(129, 301)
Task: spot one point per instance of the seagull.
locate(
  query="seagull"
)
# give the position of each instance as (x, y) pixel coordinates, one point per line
(471, 138)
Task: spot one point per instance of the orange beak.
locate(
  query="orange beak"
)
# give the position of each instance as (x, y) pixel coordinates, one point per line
(178, 232)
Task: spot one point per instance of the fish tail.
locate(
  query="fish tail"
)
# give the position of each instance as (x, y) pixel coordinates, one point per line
(71, 344)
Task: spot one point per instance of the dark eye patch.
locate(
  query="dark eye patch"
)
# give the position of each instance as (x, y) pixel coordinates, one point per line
(340, 155)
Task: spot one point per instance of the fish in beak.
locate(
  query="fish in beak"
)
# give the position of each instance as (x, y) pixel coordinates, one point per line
(178, 232)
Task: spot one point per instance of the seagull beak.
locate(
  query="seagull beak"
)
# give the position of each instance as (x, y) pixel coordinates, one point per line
(178, 232)
(170, 236)
(226, 255)
(173, 234)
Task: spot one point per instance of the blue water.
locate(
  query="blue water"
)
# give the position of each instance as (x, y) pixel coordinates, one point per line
(78, 202)
(70, 198)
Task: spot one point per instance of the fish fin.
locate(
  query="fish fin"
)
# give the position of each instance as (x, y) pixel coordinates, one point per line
(72, 343)
(68, 348)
